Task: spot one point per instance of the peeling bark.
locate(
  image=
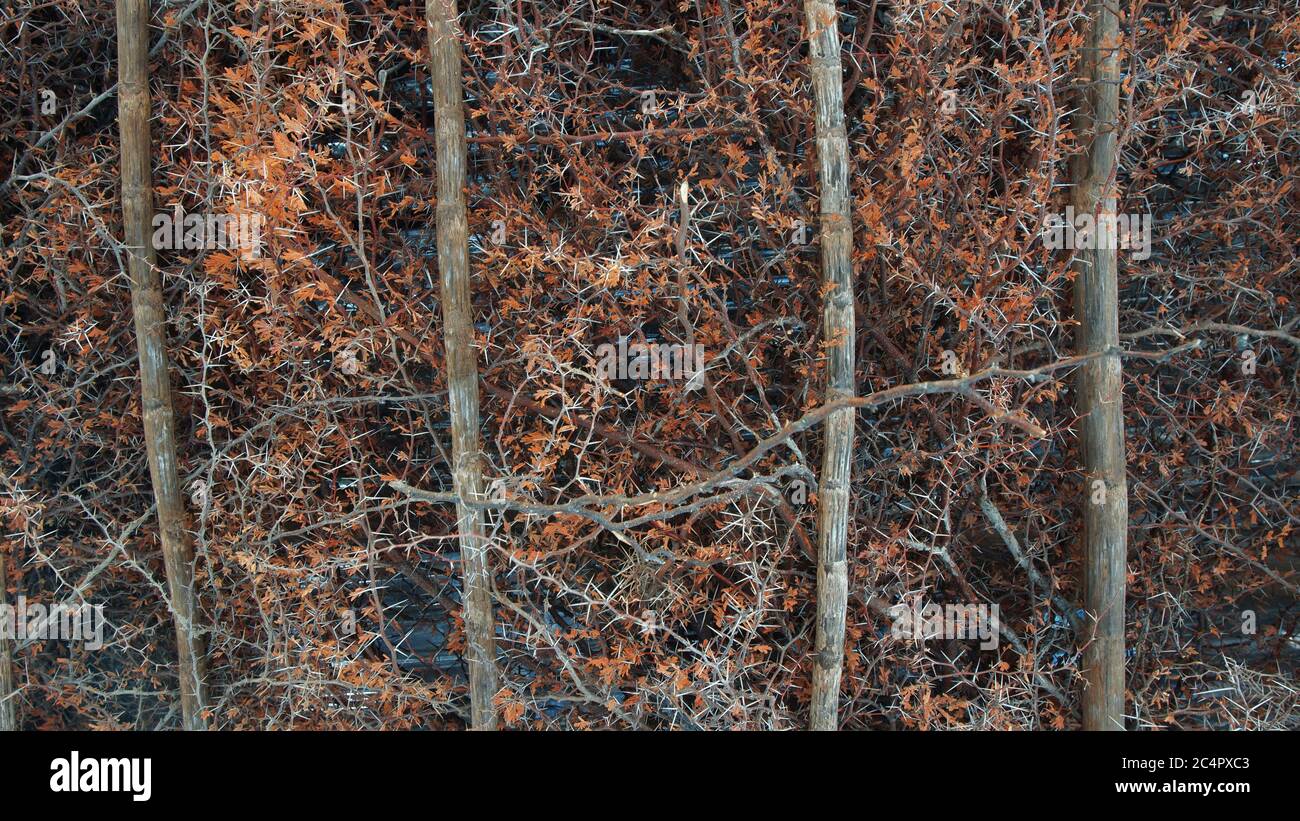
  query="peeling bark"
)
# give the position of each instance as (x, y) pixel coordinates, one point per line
(462, 368)
(150, 332)
(1100, 390)
(839, 331)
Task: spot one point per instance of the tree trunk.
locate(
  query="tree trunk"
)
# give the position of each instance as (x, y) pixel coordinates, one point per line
(462, 368)
(8, 702)
(838, 325)
(150, 332)
(1100, 392)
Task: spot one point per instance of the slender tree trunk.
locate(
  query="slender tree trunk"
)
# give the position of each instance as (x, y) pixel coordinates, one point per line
(150, 333)
(462, 368)
(1101, 399)
(838, 324)
(8, 703)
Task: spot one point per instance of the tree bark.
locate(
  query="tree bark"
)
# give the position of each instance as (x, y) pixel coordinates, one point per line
(462, 368)
(8, 702)
(1100, 389)
(150, 332)
(838, 332)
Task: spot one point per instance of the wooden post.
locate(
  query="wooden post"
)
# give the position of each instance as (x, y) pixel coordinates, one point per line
(838, 332)
(150, 333)
(1100, 394)
(462, 368)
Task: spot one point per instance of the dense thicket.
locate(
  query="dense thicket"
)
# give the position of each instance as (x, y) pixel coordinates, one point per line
(310, 378)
